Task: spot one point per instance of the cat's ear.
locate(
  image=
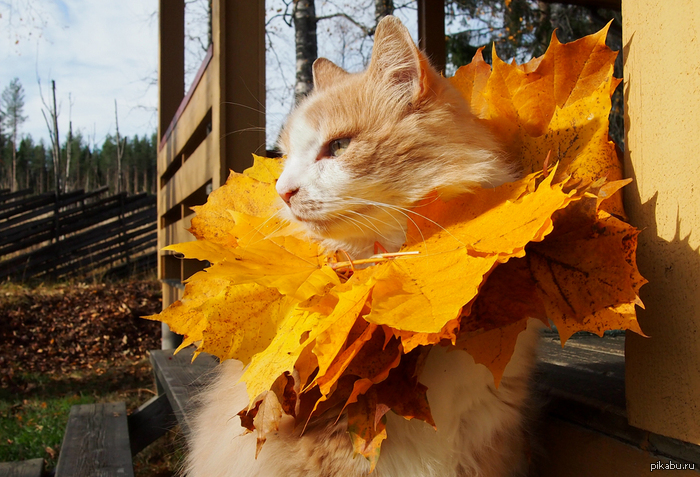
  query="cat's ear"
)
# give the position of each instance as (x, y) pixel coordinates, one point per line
(326, 73)
(397, 62)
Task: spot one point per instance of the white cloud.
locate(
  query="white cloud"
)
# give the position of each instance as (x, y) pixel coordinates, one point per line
(98, 52)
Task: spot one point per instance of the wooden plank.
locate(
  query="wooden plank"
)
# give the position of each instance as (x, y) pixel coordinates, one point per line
(193, 174)
(663, 201)
(5, 196)
(24, 468)
(71, 220)
(9, 209)
(33, 212)
(238, 31)
(574, 451)
(96, 443)
(88, 260)
(190, 94)
(150, 422)
(198, 105)
(56, 254)
(584, 384)
(53, 251)
(181, 378)
(177, 232)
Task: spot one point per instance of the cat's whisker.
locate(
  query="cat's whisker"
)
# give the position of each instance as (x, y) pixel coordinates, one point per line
(409, 211)
(347, 220)
(237, 131)
(397, 209)
(368, 222)
(258, 229)
(232, 103)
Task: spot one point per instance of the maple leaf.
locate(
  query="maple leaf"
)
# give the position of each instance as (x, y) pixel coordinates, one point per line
(321, 338)
(558, 102)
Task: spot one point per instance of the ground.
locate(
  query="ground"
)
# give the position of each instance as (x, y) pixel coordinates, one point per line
(75, 344)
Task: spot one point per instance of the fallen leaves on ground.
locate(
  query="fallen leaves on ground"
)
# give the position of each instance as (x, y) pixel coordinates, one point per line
(60, 329)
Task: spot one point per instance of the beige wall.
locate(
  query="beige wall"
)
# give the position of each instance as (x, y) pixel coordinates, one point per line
(662, 92)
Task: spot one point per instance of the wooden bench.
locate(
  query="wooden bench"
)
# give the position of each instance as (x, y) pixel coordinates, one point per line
(179, 378)
(96, 442)
(100, 439)
(582, 385)
(24, 468)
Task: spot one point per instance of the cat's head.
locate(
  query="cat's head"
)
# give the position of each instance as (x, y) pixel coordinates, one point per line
(362, 148)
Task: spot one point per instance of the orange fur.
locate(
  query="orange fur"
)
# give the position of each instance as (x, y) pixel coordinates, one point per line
(411, 133)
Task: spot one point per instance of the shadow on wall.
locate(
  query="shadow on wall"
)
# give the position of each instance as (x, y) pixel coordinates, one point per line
(663, 371)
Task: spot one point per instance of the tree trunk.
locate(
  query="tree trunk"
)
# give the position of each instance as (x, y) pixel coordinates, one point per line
(306, 47)
(120, 150)
(14, 160)
(69, 147)
(383, 8)
(56, 147)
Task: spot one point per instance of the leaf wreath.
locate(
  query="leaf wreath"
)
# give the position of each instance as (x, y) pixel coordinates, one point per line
(552, 246)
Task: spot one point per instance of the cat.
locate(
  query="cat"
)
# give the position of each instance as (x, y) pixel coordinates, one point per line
(361, 149)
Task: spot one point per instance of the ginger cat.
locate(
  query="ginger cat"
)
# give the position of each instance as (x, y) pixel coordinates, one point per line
(361, 149)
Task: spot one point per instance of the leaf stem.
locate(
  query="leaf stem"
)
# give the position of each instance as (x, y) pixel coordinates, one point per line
(378, 258)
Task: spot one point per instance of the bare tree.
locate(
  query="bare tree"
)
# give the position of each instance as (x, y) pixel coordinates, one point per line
(120, 151)
(305, 25)
(52, 126)
(304, 14)
(69, 144)
(12, 107)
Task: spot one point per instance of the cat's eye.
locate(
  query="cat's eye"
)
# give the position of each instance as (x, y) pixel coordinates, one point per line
(338, 146)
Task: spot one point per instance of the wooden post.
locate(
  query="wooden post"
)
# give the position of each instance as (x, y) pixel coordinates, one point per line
(431, 31)
(662, 100)
(238, 30)
(171, 89)
(171, 61)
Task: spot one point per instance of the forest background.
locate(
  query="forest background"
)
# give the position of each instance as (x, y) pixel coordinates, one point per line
(297, 32)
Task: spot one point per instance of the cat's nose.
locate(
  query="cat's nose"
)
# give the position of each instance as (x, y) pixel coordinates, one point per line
(288, 194)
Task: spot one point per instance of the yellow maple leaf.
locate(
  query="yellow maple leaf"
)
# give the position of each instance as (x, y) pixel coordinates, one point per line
(558, 102)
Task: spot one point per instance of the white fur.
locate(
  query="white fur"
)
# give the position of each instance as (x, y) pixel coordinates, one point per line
(461, 394)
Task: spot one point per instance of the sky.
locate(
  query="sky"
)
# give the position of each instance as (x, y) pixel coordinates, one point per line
(99, 51)
(96, 51)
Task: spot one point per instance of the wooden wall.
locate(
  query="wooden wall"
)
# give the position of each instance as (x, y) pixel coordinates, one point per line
(662, 95)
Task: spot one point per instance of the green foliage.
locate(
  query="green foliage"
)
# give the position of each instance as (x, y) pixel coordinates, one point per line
(29, 426)
(12, 106)
(34, 408)
(91, 167)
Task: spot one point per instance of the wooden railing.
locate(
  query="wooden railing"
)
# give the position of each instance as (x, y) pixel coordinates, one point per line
(213, 128)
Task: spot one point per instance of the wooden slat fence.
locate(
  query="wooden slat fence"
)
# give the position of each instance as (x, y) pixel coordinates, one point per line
(77, 234)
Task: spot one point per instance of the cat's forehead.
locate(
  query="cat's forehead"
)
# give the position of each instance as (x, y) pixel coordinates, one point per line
(319, 117)
(304, 132)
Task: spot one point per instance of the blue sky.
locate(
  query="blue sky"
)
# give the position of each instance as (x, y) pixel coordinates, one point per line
(96, 51)
(99, 51)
